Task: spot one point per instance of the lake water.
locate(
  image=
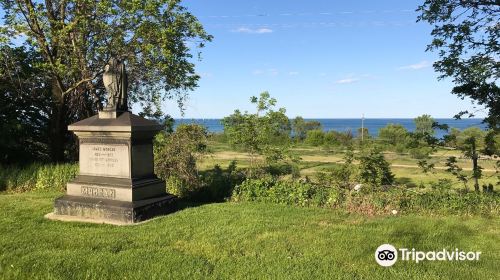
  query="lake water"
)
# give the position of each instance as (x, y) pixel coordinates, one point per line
(373, 125)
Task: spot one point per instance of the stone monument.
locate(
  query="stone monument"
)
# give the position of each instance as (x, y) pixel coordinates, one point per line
(116, 183)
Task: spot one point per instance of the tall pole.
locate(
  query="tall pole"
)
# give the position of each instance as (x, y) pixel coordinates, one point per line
(362, 127)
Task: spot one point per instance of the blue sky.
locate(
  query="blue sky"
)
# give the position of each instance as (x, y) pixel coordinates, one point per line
(320, 59)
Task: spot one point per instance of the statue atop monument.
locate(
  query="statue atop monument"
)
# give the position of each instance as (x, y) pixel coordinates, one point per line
(115, 81)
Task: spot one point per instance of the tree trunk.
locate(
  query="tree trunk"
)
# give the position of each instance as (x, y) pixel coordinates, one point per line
(57, 125)
(475, 171)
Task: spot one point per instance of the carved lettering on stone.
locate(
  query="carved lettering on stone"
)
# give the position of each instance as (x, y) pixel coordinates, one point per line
(98, 192)
(104, 160)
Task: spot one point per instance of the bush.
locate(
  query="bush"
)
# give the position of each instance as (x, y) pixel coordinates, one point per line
(315, 137)
(331, 138)
(218, 184)
(280, 169)
(421, 152)
(176, 155)
(393, 134)
(374, 169)
(342, 175)
(55, 177)
(440, 198)
(36, 177)
(289, 192)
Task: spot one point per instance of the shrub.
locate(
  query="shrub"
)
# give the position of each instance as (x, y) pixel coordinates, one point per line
(55, 177)
(36, 177)
(393, 134)
(252, 189)
(176, 155)
(280, 169)
(421, 152)
(265, 133)
(342, 175)
(374, 169)
(218, 184)
(437, 200)
(440, 198)
(331, 138)
(290, 192)
(315, 137)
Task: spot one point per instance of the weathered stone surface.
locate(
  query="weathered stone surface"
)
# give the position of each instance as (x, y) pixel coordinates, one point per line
(116, 183)
(125, 122)
(114, 211)
(111, 160)
(123, 190)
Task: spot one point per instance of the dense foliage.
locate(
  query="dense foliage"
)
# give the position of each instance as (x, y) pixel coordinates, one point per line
(301, 127)
(440, 199)
(466, 37)
(25, 107)
(264, 133)
(375, 171)
(36, 177)
(75, 39)
(176, 155)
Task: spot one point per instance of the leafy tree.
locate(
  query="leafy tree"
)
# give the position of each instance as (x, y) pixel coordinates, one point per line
(266, 132)
(456, 170)
(393, 134)
(176, 155)
(315, 137)
(466, 37)
(492, 143)
(77, 38)
(451, 138)
(24, 106)
(374, 169)
(330, 137)
(424, 124)
(301, 127)
(471, 141)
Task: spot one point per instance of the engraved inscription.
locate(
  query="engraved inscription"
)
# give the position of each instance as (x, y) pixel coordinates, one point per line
(98, 192)
(103, 156)
(104, 160)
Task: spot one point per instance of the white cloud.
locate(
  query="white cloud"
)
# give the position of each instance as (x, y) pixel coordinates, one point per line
(417, 66)
(293, 73)
(257, 72)
(347, 81)
(267, 72)
(261, 30)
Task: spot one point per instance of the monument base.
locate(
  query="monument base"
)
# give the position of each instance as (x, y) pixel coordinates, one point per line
(86, 209)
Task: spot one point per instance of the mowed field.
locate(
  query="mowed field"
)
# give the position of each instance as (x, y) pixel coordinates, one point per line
(404, 167)
(238, 241)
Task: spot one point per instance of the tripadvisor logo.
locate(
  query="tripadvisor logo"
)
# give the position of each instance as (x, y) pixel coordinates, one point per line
(387, 255)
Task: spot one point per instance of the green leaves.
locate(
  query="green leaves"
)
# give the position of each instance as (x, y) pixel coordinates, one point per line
(266, 133)
(77, 38)
(466, 37)
(374, 169)
(176, 155)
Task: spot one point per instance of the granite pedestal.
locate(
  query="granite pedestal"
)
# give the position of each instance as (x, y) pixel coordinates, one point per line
(116, 183)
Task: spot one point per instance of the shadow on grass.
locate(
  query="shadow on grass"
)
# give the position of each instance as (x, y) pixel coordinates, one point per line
(216, 186)
(405, 181)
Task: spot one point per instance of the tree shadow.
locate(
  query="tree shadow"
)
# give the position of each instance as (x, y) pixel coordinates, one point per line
(405, 181)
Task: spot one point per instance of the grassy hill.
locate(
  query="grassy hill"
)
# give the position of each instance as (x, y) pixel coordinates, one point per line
(237, 241)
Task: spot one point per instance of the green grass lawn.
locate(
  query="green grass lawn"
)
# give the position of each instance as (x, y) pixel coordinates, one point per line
(237, 241)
